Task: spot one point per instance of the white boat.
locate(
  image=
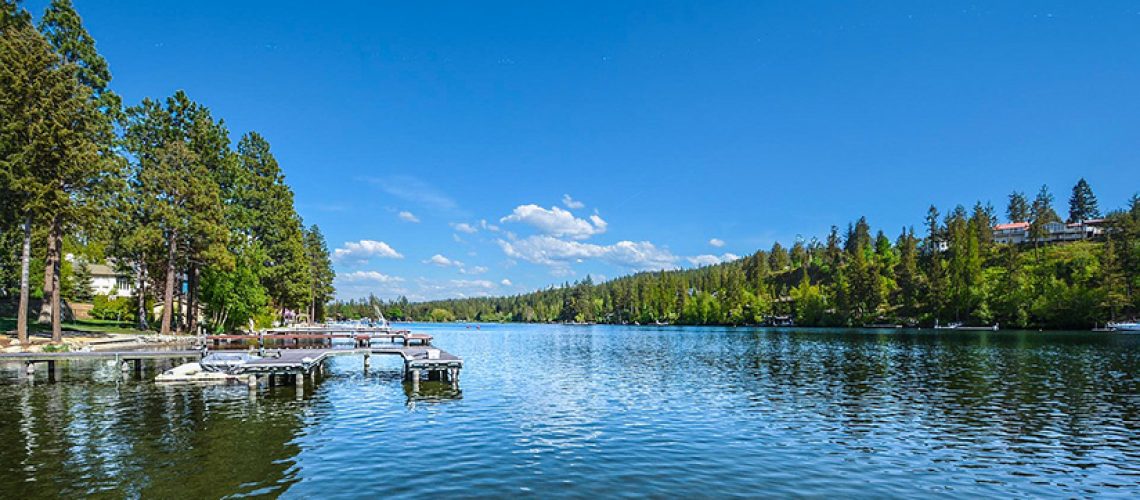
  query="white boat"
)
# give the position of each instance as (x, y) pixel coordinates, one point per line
(1126, 327)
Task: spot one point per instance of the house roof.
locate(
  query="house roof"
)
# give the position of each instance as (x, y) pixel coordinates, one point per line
(101, 270)
(1012, 225)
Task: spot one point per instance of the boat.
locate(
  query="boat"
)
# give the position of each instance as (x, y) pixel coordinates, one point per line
(960, 327)
(1129, 327)
(226, 362)
(882, 325)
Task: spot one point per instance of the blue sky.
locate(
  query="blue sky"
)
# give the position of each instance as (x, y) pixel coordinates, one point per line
(467, 148)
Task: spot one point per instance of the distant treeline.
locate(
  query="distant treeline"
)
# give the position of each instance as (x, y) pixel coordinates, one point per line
(156, 189)
(951, 271)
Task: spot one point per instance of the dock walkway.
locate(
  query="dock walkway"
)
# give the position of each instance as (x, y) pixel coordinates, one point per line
(311, 348)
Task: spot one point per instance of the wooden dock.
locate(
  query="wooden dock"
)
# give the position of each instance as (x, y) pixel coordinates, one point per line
(363, 336)
(297, 364)
(302, 353)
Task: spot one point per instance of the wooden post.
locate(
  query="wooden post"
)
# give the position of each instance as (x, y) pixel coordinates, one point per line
(53, 376)
(299, 378)
(252, 381)
(30, 368)
(367, 360)
(415, 380)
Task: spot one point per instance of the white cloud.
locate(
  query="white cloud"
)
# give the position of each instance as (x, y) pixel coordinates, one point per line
(571, 203)
(361, 251)
(708, 260)
(442, 261)
(464, 227)
(505, 282)
(407, 216)
(716, 242)
(557, 222)
(559, 254)
(473, 270)
(488, 227)
(368, 277)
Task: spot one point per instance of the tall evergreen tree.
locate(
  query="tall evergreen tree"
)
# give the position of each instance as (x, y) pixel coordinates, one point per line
(1018, 208)
(778, 259)
(56, 146)
(1082, 204)
(321, 274)
(81, 180)
(1041, 213)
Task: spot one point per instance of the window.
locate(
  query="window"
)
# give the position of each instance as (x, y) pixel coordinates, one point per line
(123, 283)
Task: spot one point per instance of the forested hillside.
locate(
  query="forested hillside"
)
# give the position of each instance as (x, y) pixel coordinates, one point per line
(950, 270)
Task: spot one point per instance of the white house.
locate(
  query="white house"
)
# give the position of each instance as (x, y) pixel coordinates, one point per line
(105, 281)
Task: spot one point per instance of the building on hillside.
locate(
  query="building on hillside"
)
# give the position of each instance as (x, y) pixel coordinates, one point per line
(1013, 233)
(1016, 233)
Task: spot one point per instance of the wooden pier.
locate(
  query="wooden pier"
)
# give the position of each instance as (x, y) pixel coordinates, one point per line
(302, 354)
(295, 365)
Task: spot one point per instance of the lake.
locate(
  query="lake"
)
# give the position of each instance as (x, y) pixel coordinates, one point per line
(549, 411)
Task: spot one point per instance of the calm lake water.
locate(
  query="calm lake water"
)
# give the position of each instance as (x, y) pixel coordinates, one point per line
(612, 411)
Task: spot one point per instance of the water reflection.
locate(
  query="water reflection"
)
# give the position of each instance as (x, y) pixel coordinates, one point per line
(552, 411)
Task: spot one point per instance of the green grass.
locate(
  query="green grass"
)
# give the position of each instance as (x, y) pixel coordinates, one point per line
(8, 324)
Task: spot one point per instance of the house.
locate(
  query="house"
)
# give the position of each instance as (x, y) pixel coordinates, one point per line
(106, 281)
(1013, 233)
(1016, 233)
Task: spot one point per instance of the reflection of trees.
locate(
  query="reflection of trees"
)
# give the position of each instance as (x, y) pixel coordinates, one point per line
(138, 439)
(1026, 392)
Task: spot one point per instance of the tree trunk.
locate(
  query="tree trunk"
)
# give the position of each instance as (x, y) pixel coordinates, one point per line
(56, 286)
(192, 300)
(25, 264)
(168, 295)
(51, 263)
(140, 296)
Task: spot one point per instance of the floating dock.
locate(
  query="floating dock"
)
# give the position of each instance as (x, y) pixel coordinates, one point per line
(301, 354)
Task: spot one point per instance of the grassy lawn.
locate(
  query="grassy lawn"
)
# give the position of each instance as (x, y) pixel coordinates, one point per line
(8, 324)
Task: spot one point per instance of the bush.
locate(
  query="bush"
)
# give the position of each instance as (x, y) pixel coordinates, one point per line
(117, 308)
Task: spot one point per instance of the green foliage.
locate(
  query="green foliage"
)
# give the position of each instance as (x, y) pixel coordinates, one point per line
(112, 308)
(441, 315)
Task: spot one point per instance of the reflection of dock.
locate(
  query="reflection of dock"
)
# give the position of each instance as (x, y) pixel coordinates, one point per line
(125, 359)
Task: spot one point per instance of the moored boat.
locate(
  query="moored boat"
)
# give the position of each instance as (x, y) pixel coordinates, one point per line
(1132, 327)
(959, 326)
(226, 362)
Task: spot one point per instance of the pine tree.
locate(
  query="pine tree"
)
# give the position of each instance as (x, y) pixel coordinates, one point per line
(321, 274)
(55, 143)
(778, 259)
(1018, 208)
(81, 281)
(1041, 213)
(1082, 204)
(85, 168)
